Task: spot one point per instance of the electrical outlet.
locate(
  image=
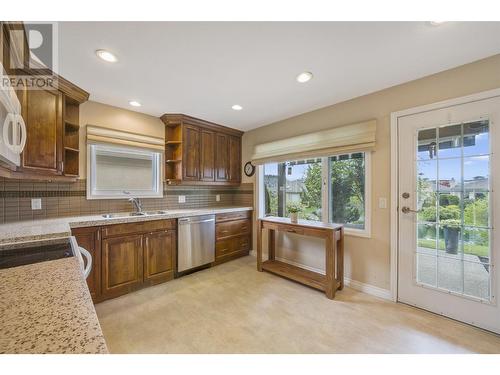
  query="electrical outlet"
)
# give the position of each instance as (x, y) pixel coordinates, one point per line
(36, 203)
(217, 197)
(182, 199)
(382, 203)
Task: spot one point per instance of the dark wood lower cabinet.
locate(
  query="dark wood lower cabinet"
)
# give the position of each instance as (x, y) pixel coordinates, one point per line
(233, 235)
(127, 257)
(89, 238)
(122, 265)
(159, 256)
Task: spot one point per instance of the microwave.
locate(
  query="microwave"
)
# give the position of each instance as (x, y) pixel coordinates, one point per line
(12, 126)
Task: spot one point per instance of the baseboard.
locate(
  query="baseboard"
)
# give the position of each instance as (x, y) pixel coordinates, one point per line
(368, 289)
(354, 284)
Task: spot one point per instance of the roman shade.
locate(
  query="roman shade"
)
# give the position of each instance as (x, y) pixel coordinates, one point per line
(342, 139)
(105, 135)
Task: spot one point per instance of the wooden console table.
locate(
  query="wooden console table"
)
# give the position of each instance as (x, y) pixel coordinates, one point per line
(334, 249)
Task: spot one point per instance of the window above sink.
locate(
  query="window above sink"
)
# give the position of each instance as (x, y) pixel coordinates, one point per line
(119, 171)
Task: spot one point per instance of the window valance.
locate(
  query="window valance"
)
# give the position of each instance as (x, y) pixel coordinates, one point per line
(342, 139)
(107, 135)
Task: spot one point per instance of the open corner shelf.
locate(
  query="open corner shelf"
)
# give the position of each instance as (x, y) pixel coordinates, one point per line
(71, 138)
(173, 152)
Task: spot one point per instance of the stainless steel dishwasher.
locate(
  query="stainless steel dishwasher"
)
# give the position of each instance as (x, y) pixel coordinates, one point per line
(196, 242)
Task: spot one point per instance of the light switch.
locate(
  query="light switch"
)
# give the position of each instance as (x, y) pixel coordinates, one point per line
(182, 199)
(382, 203)
(36, 203)
(217, 197)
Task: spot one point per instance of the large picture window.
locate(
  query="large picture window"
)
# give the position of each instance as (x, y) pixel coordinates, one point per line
(329, 189)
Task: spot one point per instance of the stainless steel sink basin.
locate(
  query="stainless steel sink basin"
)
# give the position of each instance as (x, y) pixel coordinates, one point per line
(123, 214)
(128, 214)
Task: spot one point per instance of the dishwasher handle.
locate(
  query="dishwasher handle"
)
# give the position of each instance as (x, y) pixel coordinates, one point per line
(187, 221)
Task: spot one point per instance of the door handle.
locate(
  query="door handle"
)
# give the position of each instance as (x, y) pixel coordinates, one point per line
(407, 210)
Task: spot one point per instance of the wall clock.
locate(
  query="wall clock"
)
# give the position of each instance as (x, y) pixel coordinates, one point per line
(249, 169)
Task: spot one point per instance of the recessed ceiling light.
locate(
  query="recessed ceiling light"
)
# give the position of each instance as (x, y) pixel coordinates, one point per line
(437, 23)
(134, 103)
(106, 55)
(237, 107)
(304, 77)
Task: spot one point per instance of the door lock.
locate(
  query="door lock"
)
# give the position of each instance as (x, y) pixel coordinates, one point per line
(406, 195)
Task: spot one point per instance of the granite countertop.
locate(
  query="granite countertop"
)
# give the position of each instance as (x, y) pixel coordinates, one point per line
(25, 231)
(46, 308)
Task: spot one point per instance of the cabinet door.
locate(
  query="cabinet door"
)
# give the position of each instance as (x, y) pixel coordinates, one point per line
(122, 265)
(42, 112)
(159, 256)
(207, 155)
(89, 238)
(234, 159)
(191, 153)
(221, 157)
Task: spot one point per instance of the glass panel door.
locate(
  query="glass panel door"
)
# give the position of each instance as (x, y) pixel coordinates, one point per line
(447, 210)
(453, 201)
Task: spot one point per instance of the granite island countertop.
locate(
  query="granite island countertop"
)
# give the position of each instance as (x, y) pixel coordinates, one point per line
(46, 308)
(25, 231)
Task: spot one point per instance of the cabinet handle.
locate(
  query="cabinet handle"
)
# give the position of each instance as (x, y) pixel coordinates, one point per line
(291, 230)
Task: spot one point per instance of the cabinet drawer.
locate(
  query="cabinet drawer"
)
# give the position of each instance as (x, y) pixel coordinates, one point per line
(232, 228)
(231, 245)
(242, 243)
(290, 229)
(140, 227)
(228, 216)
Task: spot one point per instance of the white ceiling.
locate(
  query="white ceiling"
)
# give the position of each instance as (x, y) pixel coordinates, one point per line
(202, 69)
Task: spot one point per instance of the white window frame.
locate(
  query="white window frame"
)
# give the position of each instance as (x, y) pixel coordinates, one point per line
(155, 192)
(325, 194)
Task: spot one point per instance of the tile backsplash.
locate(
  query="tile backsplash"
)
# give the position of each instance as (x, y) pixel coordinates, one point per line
(69, 199)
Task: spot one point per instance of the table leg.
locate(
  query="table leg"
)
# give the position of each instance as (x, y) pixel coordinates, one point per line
(340, 259)
(259, 245)
(330, 250)
(271, 244)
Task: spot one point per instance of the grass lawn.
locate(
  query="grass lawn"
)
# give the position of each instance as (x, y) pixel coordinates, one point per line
(468, 249)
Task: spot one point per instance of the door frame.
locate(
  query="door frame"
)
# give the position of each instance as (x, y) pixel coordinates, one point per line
(394, 209)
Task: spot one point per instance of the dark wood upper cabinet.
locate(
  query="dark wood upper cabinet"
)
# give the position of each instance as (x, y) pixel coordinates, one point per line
(42, 111)
(207, 155)
(191, 154)
(159, 256)
(89, 239)
(221, 157)
(52, 122)
(234, 159)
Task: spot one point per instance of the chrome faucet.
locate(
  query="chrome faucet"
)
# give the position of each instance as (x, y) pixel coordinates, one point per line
(137, 204)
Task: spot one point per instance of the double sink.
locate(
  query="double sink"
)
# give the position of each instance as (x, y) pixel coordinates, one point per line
(131, 214)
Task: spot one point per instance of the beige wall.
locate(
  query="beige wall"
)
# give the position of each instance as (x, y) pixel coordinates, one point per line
(94, 113)
(368, 260)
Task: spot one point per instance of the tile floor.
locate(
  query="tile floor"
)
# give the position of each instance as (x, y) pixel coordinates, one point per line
(232, 308)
